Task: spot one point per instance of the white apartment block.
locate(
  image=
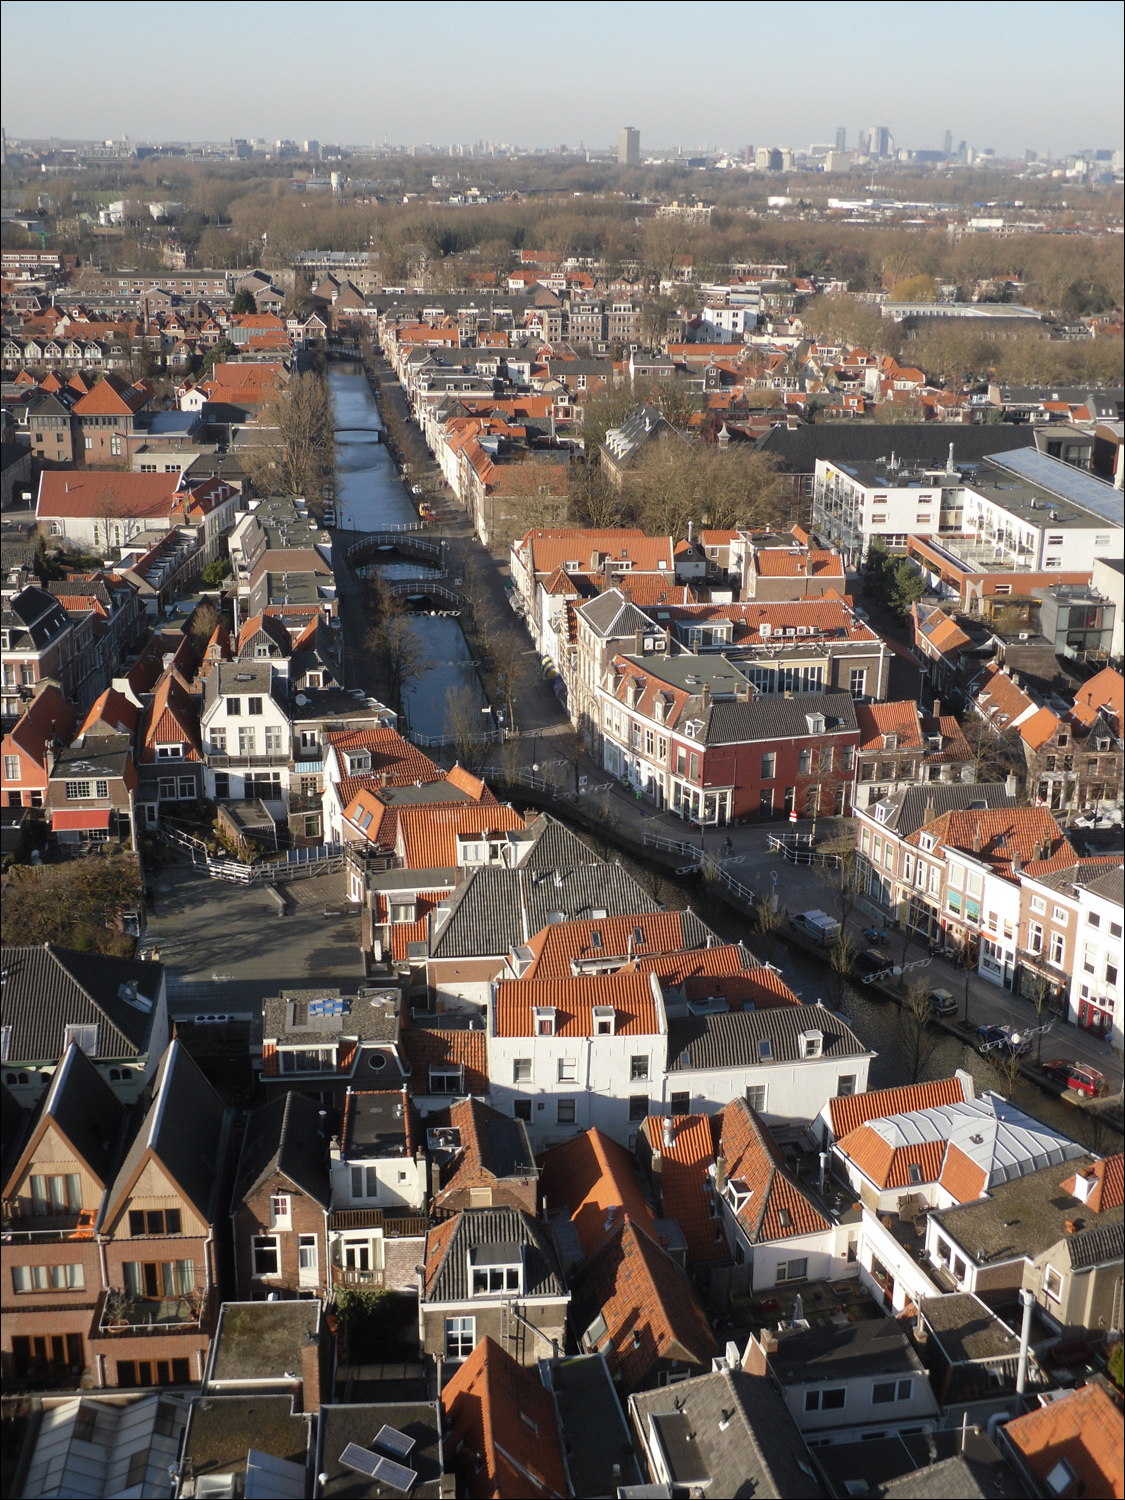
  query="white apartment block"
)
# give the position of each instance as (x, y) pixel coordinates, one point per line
(1096, 989)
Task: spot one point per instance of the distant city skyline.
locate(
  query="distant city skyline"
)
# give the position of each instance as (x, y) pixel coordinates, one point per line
(1001, 79)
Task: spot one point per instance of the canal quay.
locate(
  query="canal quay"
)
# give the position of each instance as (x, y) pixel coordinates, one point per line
(371, 497)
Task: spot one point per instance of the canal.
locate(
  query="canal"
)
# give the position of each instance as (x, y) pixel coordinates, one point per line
(880, 1023)
(370, 496)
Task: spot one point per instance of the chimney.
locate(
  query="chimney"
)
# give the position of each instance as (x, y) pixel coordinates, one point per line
(310, 1376)
(755, 1360)
(1072, 1226)
(976, 839)
(706, 695)
(720, 1174)
(1025, 1338)
(1011, 785)
(1017, 864)
(937, 708)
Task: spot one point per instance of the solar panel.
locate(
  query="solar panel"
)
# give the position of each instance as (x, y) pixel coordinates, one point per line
(362, 1460)
(396, 1475)
(392, 1441)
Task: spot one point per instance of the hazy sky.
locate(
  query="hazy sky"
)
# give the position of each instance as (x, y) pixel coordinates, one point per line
(1008, 76)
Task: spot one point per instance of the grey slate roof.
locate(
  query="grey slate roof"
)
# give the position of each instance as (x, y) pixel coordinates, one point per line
(33, 618)
(773, 718)
(497, 910)
(284, 1136)
(104, 755)
(915, 443)
(759, 1453)
(909, 806)
(1097, 1246)
(611, 614)
(827, 1352)
(494, 1226)
(185, 1127)
(14, 1121)
(86, 1111)
(47, 989)
(732, 1040)
(1111, 885)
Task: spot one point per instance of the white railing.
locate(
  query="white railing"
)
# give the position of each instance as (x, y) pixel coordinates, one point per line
(806, 855)
(318, 859)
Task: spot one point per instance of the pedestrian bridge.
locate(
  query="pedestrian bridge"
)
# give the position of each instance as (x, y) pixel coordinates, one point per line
(368, 548)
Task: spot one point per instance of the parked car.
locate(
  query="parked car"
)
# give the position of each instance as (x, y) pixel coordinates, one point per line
(996, 1038)
(942, 1002)
(870, 962)
(817, 925)
(1079, 1077)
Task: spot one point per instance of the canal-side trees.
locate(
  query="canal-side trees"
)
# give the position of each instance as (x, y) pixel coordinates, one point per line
(394, 642)
(298, 453)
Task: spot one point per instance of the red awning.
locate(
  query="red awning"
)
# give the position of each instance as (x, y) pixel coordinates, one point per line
(82, 818)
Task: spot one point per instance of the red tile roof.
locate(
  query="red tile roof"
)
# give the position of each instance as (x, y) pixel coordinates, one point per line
(961, 1176)
(503, 1429)
(776, 1208)
(556, 946)
(90, 494)
(651, 1312)
(173, 716)
(431, 1046)
(848, 1114)
(428, 834)
(997, 835)
(1105, 691)
(587, 1177)
(114, 397)
(1084, 1428)
(887, 1167)
(630, 995)
(777, 562)
(391, 755)
(686, 1187)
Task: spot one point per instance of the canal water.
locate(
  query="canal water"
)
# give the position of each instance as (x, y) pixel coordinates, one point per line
(370, 496)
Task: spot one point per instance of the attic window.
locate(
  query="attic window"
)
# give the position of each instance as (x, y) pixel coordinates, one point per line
(544, 1020)
(927, 842)
(738, 1193)
(816, 723)
(604, 1020)
(358, 763)
(83, 1037)
(890, 742)
(1061, 1478)
(812, 1043)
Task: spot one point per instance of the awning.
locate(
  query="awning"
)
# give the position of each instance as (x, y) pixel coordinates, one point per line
(82, 818)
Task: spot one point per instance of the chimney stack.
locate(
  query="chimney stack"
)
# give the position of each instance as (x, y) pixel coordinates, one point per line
(937, 708)
(976, 838)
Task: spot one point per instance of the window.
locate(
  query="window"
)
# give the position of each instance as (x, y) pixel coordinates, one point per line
(234, 708)
(365, 1183)
(769, 766)
(219, 741)
(63, 1278)
(638, 1107)
(77, 790)
(638, 1066)
(489, 1280)
(246, 740)
(521, 1070)
(831, 1399)
(1052, 1283)
(12, 768)
(858, 682)
(273, 739)
(280, 1211)
(1034, 938)
(1038, 904)
(804, 762)
(680, 1104)
(56, 1195)
(845, 1087)
(521, 1109)
(792, 1270)
(267, 1260)
(564, 1111)
(568, 1069)
(253, 705)
(158, 1280)
(156, 1221)
(445, 1081)
(884, 1391)
(460, 1337)
(756, 1097)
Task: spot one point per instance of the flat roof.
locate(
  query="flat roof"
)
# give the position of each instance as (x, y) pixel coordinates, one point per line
(341, 1425)
(376, 1122)
(1083, 489)
(873, 1346)
(599, 1449)
(221, 1430)
(262, 1340)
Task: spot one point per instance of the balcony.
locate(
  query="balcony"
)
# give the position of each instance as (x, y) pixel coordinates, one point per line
(351, 1276)
(29, 1229)
(394, 1225)
(117, 1316)
(222, 762)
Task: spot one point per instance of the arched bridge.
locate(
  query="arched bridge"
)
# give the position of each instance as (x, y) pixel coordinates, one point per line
(406, 543)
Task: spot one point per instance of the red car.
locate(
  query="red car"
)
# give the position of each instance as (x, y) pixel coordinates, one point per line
(1077, 1076)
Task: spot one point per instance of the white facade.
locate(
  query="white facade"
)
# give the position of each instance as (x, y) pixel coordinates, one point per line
(778, 1092)
(999, 913)
(1069, 546)
(246, 734)
(1095, 986)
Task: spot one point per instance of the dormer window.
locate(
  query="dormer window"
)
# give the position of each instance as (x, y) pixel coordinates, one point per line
(927, 842)
(544, 1020)
(811, 1043)
(172, 750)
(472, 852)
(738, 1193)
(605, 1020)
(496, 1270)
(890, 742)
(447, 1080)
(816, 723)
(358, 762)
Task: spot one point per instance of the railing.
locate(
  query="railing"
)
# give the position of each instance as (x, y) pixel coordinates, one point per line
(798, 854)
(435, 741)
(393, 1225)
(26, 1229)
(352, 1276)
(319, 859)
(219, 760)
(149, 1316)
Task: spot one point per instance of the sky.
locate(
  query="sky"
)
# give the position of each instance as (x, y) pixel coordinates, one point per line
(1012, 77)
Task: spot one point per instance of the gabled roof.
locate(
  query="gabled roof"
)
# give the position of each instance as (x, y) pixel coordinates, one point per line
(684, 1147)
(560, 944)
(504, 1428)
(650, 1310)
(426, 1047)
(47, 717)
(285, 1138)
(192, 1159)
(591, 1178)
(494, 1147)
(448, 1247)
(82, 1108)
(1105, 693)
(90, 494)
(48, 989)
(912, 807)
(428, 837)
(1083, 1428)
(849, 1113)
(1005, 838)
(735, 1040)
(391, 756)
(113, 397)
(573, 1000)
(776, 1208)
(1108, 1179)
(172, 716)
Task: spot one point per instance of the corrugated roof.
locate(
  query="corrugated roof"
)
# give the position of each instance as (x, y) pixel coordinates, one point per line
(448, 1247)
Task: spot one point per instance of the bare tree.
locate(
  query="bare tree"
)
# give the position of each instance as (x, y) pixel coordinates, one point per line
(464, 726)
(394, 642)
(840, 956)
(919, 1038)
(298, 454)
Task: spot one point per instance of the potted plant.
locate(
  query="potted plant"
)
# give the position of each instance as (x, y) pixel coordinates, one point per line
(115, 1317)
